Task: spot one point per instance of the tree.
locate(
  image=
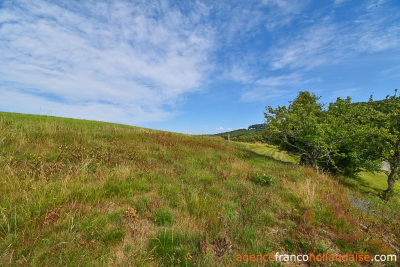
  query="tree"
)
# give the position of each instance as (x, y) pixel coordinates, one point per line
(300, 128)
(388, 122)
(332, 138)
(352, 136)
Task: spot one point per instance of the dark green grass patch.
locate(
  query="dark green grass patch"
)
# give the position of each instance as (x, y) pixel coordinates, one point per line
(174, 248)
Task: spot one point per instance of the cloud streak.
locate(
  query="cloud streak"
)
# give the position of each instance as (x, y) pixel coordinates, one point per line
(135, 57)
(327, 41)
(272, 87)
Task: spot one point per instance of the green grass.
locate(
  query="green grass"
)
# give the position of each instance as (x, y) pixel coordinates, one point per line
(364, 181)
(85, 193)
(368, 182)
(273, 152)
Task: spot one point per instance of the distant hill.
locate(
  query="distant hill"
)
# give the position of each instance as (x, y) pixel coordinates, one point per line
(253, 133)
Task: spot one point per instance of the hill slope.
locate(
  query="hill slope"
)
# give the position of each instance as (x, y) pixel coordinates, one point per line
(254, 133)
(78, 192)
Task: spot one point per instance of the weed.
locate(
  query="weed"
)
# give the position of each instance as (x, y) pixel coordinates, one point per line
(163, 217)
(262, 179)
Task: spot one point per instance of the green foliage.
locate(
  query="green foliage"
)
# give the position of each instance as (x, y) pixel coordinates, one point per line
(354, 138)
(300, 128)
(387, 120)
(262, 179)
(333, 138)
(344, 137)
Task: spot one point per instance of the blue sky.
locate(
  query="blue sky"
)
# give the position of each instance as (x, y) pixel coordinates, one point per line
(192, 66)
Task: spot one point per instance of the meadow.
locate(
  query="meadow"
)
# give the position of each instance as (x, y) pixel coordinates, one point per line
(86, 193)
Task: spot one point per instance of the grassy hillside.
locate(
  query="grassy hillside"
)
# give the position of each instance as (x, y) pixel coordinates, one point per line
(78, 192)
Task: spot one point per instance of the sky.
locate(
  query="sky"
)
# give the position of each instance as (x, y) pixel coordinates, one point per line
(197, 67)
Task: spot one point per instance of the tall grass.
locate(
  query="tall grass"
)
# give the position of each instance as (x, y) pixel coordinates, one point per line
(76, 192)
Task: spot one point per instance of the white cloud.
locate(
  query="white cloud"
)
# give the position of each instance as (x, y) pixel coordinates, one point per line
(227, 129)
(328, 41)
(292, 79)
(283, 12)
(377, 40)
(286, 6)
(90, 53)
(25, 103)
(339, 2)
(241, 74)
(392, 72)
(138, 59)
(272, 87)
(308, 50)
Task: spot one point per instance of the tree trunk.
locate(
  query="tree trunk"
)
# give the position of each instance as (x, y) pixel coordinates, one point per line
(388, 193)
(303, 160)
(314, 162)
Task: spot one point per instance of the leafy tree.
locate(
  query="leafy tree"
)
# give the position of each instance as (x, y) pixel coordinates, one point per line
(388, 140)
(352, 136)
(332, 138)
(300, 128)
(344, 137)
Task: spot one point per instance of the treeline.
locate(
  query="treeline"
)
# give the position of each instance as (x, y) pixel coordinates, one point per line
(339, 137)
(254, 133)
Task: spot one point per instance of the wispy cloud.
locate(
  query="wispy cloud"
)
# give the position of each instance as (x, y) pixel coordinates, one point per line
(220, 129)
(241, 74)
(339, 2)
(97, 58)
(328, 41)
(308, 50)
(292, 79)
(283, 12)
(138, 61)
(271, 87)
(392, 72)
